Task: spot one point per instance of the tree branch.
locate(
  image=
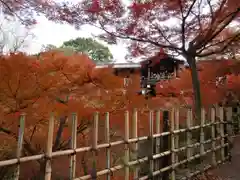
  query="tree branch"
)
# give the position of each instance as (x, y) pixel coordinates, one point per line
(183, 24)
(121, 36)
(184, 18)
(26, 145)
(59, 132)
(211, 10)
(217, 43)
(236, 38)
(163, 35)
(206, 40)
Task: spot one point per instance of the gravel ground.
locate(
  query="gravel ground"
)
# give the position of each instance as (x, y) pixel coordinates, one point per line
(231, 170)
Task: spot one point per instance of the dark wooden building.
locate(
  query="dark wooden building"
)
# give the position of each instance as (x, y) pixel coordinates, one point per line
(158, 68)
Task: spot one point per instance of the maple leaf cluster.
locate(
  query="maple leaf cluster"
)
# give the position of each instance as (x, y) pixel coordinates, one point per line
(62, 84)
(147, 26)
(217, 78)
(59, 83)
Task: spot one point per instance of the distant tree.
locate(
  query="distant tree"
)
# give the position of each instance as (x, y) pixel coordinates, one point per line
(95, 50)
(48, 47)
(13, 36)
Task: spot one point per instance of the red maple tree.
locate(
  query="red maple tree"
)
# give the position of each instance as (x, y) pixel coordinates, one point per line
(217, 78)
(193, 29)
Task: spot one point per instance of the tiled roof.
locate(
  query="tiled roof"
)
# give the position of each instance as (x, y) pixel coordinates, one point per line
(119, 65)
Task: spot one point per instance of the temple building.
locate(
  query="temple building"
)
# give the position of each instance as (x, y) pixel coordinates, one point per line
(157, 68)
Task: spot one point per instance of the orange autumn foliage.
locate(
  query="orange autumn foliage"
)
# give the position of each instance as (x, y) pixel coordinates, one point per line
(34, 86)
(54, 82)
(64, 84)
(217, 77)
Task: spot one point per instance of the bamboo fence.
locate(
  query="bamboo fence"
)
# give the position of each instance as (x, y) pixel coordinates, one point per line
(164, 161)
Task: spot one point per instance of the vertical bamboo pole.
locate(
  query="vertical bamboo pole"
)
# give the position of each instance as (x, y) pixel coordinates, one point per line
(218, 133)
(229, 131)
(135, 145)
(213, 134)
(202, 134)
(165, 145)
(221, 116)
(189, 138)
(126, 149)
(48, 170)
(20, 143)
(158, 131)
(175, 72)
(229, 120)
(177, 114)
(150, 156)
(107, 140)
(172, 124)
(238, 119)
(73, 146)
(94, 145)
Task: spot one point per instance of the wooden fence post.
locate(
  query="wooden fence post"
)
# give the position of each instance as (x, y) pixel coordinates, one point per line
(126, 149)
(177, 114)
(172, 125)
(202, 134)
(73, 146)
(151, 152)
(20, 143)
(238, 118)
(48, 170)
(107, 140)
(228, 130)
(158, 131)
(213, 136)
(189, 139)
(229, 120)
(235, 117)
(135, 145)
(95, 146)
(222, 134)
(165, 145)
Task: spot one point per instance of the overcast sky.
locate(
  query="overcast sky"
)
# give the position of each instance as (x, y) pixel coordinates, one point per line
(47, 32)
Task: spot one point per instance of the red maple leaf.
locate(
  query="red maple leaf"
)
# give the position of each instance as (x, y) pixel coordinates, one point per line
(94, 7)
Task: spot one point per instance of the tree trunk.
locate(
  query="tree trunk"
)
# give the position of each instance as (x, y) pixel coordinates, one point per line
(196, 87)
(197, 99)
(59, 132)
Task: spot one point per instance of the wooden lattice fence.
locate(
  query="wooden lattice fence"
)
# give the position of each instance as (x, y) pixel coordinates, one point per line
(176, 150)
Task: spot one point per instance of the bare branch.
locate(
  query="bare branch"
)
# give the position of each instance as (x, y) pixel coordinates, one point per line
(228, 19)
(11, 11)
(147, 40)
(14, 35)
(235, 38)
(190, 9)
(211, 10)
(214, 17)
(163, 35)
(217, 43)
(183, 24)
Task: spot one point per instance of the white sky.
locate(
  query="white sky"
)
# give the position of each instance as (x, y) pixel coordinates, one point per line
(48, 32)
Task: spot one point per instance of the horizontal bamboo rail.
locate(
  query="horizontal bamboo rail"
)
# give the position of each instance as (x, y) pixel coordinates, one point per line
(132, 139)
